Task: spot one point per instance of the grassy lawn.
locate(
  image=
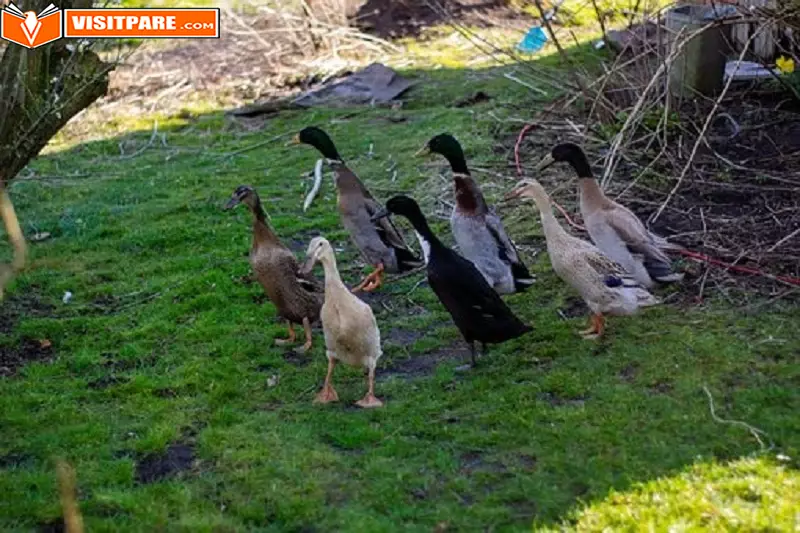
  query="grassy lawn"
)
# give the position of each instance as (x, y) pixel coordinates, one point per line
(160, 384)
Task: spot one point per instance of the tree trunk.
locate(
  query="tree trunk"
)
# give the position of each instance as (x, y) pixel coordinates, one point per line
(40, 91)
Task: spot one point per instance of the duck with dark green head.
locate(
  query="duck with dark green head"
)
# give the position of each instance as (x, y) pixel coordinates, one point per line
(477, 229)
(379, 242)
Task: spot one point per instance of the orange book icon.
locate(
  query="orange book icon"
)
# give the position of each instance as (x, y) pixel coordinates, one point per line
(29, 29)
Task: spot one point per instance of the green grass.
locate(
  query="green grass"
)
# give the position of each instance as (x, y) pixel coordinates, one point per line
(163, 345)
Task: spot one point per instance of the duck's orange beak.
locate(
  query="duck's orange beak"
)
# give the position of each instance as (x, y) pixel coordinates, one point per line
(518, 191)
(294, 140)
(425, 150)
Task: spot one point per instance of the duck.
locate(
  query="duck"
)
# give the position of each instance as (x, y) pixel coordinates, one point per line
(297, 297)
(603, 284)
(380, 242)
(477, 230)
(613, 228)
(351, 331)
(476, 308)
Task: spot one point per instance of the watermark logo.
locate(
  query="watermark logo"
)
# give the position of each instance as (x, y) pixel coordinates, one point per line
(32, 30)
(29, 29)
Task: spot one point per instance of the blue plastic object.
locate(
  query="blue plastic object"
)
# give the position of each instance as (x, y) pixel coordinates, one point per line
(533, 41)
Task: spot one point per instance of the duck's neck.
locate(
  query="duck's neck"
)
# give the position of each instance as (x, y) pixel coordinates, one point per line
(344, 178)
(333, 281)
(426, 237)
(469, 198)
(262, 232)
(458, 163)
(553, 231)
(591, 195)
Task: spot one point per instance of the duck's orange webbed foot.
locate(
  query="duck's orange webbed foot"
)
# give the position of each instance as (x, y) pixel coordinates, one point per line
(292, 337)
(372, 281)
(327, 394)
(369, 400)
(598, 327)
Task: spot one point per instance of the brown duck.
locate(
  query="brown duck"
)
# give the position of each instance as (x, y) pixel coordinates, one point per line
(297, 296)
(379, 242)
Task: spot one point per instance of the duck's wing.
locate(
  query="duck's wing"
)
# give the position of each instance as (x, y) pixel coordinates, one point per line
(288, 268)
(632, 232)
(357, 206)
(639, 240)
(508, 251)
(607, 271)
(463, 290)
(601, 264)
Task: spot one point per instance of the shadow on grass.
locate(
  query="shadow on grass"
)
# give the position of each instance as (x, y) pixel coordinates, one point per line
(161, 303)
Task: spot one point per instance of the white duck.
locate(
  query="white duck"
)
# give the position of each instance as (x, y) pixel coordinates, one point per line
(351, 332)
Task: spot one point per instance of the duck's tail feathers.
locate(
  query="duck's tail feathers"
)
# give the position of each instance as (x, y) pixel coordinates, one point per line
(522, 278)
(406, 260)
(661, 271)
(664, 244)
(521, 329)
(645, 299)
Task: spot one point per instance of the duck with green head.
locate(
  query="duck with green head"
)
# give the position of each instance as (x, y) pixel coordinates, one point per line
(478, 231)
(379, 242)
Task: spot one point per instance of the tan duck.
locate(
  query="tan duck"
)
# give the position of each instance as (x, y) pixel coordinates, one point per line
(380, 243)
(351, 332)
(613, 227)
(297, 297)
(478, 231)
(602, 283)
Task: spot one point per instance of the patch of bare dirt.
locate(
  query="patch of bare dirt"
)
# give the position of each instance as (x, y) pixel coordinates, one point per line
(425, 364)
(392, 19)
(660, 386)
(15, 356)
(574, 307)
(296, 359)
(629, 372)
(474, 461)
(14, 307)
(557, 400)
(177, 458)
(108, 381)
(402, 336)
(12, 460)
